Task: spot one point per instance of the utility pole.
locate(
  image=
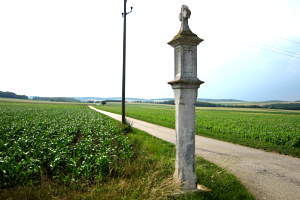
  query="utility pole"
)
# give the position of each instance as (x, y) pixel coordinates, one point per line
(124, 61)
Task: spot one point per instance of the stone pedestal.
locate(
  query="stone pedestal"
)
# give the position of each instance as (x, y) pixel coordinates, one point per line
(185, 86)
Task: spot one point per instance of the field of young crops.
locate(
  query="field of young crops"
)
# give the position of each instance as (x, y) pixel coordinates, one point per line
(64, 143)
(277, 130)
(61, 151)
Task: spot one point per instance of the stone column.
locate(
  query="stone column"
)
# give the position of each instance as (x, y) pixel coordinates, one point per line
(185, 86)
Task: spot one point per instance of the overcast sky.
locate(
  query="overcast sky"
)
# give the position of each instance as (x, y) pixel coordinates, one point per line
(251, 48)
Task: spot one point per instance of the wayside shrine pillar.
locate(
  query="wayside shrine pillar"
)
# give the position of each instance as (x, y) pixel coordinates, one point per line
(185, 86)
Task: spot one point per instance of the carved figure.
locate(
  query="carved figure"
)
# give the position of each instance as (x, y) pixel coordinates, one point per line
(183, 17)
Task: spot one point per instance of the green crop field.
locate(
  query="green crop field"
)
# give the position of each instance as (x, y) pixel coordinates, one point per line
(274, 130)
(68, 151)
(66, 143)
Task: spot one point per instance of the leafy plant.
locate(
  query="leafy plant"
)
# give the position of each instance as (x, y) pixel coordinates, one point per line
(65, 143)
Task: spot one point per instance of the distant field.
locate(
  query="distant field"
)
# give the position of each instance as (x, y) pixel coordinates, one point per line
(249, 102)
(274, 130)
(37, 101)
(250, 109)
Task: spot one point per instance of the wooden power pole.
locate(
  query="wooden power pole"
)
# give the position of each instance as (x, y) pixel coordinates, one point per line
(124, 14)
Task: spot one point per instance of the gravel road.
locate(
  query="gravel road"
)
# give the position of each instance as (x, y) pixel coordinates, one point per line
(267, 175)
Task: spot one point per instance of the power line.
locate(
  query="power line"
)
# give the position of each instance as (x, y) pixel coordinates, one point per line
(292, 41)
(284, 51)
(277, 50)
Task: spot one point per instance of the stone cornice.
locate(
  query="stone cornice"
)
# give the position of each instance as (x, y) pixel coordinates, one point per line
(186, 83)
(185, 37)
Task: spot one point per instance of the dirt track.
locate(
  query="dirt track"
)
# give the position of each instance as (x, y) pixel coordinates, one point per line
(268, 176)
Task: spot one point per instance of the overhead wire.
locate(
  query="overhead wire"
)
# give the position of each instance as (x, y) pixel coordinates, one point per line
(277, 50)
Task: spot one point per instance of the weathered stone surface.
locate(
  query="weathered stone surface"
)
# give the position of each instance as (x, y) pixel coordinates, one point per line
(185, 137)
(185, 35)
(185, 86)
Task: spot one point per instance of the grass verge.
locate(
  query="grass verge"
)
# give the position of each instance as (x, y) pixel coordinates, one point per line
(147, 176)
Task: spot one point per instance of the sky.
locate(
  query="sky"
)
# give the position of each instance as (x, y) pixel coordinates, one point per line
(72, 48)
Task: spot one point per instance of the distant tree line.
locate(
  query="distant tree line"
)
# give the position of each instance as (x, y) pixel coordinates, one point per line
(103, 102)
(170, 102)
(12, 95)
(112, 100)
(56, 99)
(284, 106)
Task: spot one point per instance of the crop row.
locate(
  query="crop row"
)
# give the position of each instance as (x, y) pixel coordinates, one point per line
(66, 143)
(275, 128)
